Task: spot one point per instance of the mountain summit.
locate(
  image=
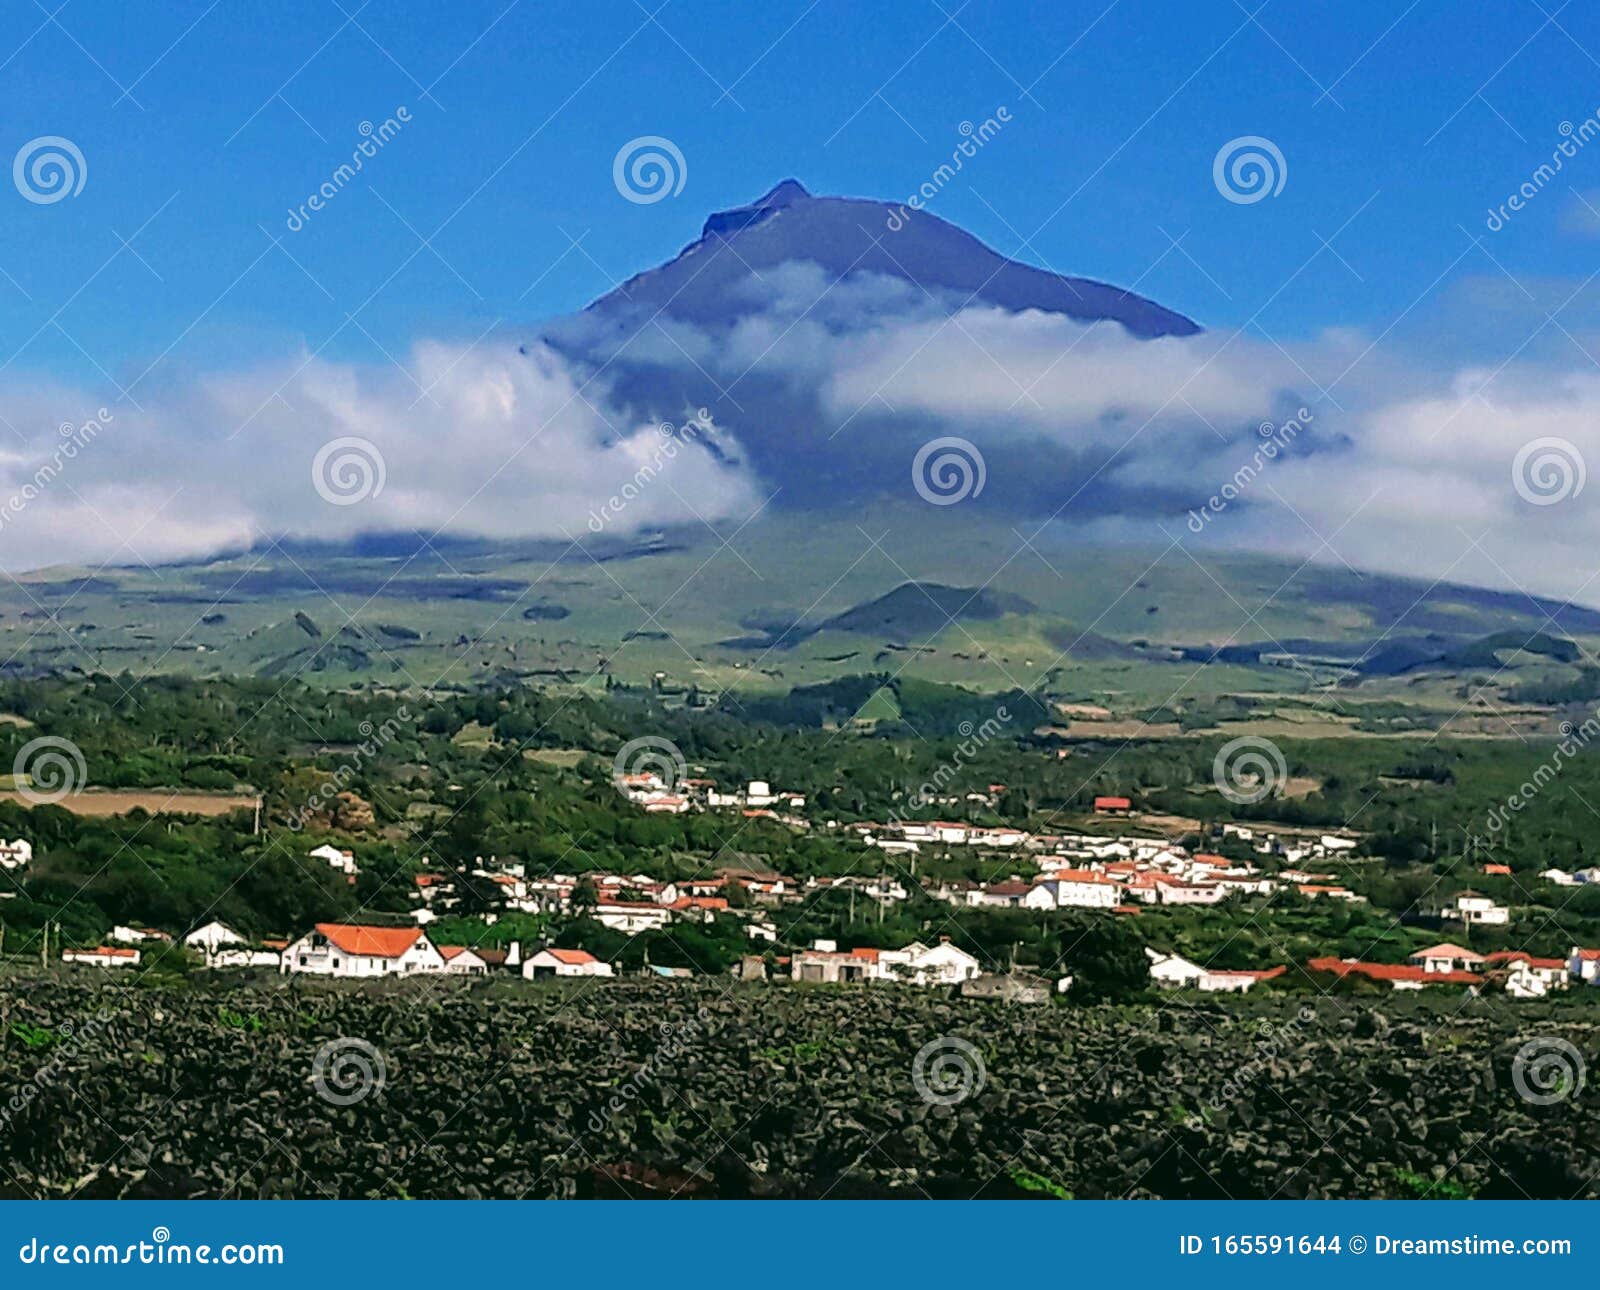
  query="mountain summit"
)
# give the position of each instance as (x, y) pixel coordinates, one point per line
(712, 281)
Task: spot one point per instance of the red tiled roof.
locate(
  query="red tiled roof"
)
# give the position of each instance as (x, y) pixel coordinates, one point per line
(106, 952)
(1447, 951)
(1391, 972)
(371, 942)
(1112, 803)
(699, 902)
(1255, 974)
(572, 958)
(1497, 868)
(1518, 956)
(1079, 875)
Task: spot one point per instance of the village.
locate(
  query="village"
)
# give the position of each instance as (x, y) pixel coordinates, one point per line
(1117, 873)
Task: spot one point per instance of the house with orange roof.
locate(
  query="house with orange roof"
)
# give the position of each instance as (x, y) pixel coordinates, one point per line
(1584, 965)
(103, 956)
(355, 950)
(553, 962)
(1398, 976)
(1448, 958)
(1525, 976)
(462, 960)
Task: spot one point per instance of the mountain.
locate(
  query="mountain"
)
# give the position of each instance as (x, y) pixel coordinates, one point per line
(760, 317)
(709, 281)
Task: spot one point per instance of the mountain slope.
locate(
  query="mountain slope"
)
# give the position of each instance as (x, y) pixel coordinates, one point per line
(709, 282)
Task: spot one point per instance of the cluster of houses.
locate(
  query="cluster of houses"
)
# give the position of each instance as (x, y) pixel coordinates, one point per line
(1517, 973)
(1085, 871)
(658, 796)
(622, 902)
(362, 952)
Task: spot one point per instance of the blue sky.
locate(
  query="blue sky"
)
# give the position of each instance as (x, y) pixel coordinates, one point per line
(202, 125)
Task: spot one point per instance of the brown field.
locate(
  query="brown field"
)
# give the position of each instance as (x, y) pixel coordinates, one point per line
(158, 801)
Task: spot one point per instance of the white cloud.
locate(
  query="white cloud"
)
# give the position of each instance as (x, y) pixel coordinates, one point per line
(480, 441)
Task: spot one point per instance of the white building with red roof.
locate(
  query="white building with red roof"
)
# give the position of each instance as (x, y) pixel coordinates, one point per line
(103, 956)
(353, 950)
(554, 962)
(463, 960)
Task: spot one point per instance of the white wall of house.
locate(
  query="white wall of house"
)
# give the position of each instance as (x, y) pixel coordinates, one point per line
(315, 955)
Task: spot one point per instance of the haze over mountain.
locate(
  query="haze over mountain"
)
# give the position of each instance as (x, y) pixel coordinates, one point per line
(713, 281)
(835, 335)
(830, 340)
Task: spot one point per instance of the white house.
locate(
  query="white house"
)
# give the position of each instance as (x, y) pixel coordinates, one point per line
(15, 855)
(247, 956)
(1172, 970)
(462, 960)
(348, 950)
(1220, 981)
(632, 915)
(1080, 887)
(1470, 908)
(1177, 892)
(916, 964)
(941, 964)
(104, 956)
(1584, 965)
(1448, 958)
(552, 962)
(210, 938)
(343, 861)
(125, 935)
(1526, 976)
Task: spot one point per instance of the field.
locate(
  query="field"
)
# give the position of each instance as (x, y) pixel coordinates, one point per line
(105, 802)
(1111, 631)
(611, 1089)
